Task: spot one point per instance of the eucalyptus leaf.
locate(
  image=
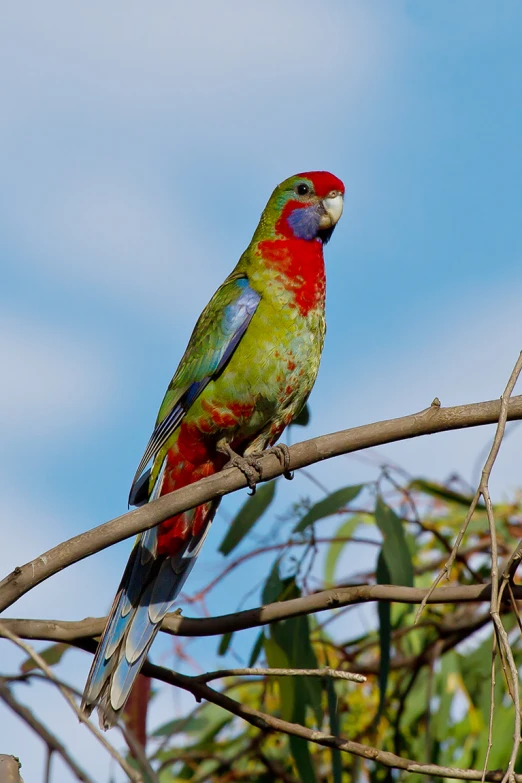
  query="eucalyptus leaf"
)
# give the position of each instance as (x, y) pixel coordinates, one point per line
(384, 612)
(225, 643)
(300, 750)
(251, 510)
(395, 548)
(335, 730)
(345, 530)
(51, 655)
(440, 491)
(256, 649)
(329, 505)
(273, 586)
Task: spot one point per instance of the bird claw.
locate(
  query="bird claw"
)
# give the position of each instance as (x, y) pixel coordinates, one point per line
(248, 465)
(282, 453)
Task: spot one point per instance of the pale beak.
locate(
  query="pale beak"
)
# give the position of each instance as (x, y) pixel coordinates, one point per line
(333, 206)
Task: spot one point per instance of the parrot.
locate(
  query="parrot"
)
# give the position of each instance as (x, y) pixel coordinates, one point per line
(247, 372)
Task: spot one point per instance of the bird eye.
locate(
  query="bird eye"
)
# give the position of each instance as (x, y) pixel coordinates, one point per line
(302, 189)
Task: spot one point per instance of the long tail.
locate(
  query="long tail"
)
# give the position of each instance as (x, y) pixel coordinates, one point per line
(149, 586)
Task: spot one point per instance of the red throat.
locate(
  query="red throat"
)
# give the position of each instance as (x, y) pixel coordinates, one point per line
(299, 267)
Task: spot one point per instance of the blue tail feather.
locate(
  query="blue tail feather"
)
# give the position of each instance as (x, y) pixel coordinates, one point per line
(123, 680)
(140, 629)
(128, 637)
(141, 570)
(147, 591)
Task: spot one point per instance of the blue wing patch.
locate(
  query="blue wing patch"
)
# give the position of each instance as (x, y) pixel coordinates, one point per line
(235, 319)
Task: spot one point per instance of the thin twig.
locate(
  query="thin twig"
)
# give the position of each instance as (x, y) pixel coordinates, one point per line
(53, 743)
(491, 707)
(48, 765)
(446, 569)
(131, 739)
(262, 550)
(503, 641)
(511, 566)
(433, 530)
(270, 723)
(482, 490)
(129, 771)
(260, 672)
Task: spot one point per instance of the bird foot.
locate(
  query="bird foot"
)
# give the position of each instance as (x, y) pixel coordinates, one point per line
(282, 453)
(248, 465)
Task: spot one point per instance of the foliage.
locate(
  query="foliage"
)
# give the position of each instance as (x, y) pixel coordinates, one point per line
(428, 684)
(427, 693)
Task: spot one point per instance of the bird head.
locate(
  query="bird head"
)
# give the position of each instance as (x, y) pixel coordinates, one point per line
(306, 206)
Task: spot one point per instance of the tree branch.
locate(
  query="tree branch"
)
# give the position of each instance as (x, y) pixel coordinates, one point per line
(131, 773)
(72, 630)
(429, 421)
(10, 769)
(52, 742)
(336, 674)
(270, 723)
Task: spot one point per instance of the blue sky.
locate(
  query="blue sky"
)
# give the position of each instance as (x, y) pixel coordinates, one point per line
(138, 146)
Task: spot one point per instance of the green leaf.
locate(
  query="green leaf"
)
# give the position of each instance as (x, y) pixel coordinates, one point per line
(293, 637)
(300, 749)
(190, 725)
(51, 655)
(280, 650)
(440, 491)
(277, 659)
(303, 417)
(305, 658)
(441, 719)
(247, 516)
(225, 643)
(206, 721)
(395, 548)
(384, 611)
(345, 530)
(327, 506)
(256, 649)
(335, 729)
(273, 585)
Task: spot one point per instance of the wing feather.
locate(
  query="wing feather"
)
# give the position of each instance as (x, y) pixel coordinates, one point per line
(214, 339)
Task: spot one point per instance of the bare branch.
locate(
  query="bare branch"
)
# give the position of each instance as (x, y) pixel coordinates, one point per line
(431, 420)
(504, 648)
(9, 769)
(482, 490)
(336, 674)
(53, 743)
(270, 723)
(262, 550)
(131, 739)
(129, 771)
(501, 635)
(175, 624)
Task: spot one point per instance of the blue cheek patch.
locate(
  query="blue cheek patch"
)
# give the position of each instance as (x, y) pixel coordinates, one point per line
(304, 222)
